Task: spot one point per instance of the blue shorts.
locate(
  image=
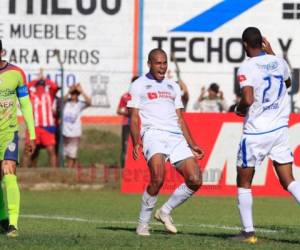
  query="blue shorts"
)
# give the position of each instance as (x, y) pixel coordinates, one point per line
(9, 146)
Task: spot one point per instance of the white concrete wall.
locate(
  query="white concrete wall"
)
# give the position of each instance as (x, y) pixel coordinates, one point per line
(107, 40)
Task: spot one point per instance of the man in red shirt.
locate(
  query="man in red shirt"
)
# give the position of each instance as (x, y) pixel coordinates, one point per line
(42, 94)
(123, 110)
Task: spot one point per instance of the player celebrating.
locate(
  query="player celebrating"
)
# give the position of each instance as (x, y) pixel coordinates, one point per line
(264, 80)
(12, 87)
(157, 102)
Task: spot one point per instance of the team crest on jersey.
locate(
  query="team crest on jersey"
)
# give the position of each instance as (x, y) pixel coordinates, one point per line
(241, 78)
(148, 86)
(170, 86)
(152, 95)
(12, 147)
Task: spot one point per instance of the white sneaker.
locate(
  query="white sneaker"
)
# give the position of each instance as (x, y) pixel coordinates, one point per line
(167, 220)
(143, 230)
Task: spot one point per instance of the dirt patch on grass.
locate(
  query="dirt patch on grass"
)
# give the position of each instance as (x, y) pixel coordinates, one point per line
(94, 177)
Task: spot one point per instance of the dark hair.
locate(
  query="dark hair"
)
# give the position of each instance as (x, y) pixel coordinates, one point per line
(75, 92)
(252, 37)
(214, 87)
(154, 51)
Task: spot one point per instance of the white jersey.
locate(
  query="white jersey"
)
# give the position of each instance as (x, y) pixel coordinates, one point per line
(157, 103)
(71, 117)
(270, 110)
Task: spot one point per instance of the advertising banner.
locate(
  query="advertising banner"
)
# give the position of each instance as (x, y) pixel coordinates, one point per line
(219, 136)
(205, 37)
(103, 43)
(94, 39)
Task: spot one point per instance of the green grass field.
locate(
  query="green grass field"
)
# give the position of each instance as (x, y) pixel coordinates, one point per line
(106, 220)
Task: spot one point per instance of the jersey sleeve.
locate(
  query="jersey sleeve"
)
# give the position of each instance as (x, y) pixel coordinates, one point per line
(244, 76)
(25, 104)
(135, 95)
(286, 70)
(178, 100)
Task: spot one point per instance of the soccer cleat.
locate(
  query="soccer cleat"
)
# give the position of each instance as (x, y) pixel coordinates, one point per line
(248, 237)
(4, 226)
(167, 220)
(12, 231)
(143, 230)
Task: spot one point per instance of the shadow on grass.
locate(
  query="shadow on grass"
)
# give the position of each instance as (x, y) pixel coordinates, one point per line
(281, 229)
(289, 241)
(223, 236)
(158, 231)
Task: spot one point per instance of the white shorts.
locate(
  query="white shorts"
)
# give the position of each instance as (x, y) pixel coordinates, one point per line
(173, 145)
(254, 148)
(71, 145)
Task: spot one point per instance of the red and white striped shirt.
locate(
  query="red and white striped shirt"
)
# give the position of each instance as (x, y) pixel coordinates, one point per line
(42, 99)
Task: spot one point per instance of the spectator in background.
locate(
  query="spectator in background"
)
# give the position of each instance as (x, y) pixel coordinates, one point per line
(42, 94)
(72, 129)
(123, 110)
(213, 101)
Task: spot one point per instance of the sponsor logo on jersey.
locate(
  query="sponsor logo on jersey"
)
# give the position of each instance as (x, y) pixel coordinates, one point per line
(152, 95)
(7, 92)
(12, 147)
(271, 107)
(166, 94)
(269, 67)
(241, 78)
(6, 103)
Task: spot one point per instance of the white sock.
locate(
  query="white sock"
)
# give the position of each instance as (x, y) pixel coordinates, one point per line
(147, 205)
(180, 195)
(245, 201)
(294, 189)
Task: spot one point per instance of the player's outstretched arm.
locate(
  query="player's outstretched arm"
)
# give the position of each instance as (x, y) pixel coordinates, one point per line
(26, 109)
(197, 151)
(246, 101)
(135, 132)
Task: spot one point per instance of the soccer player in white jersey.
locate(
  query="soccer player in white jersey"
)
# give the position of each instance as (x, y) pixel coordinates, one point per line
(156, 102)
(264, 79)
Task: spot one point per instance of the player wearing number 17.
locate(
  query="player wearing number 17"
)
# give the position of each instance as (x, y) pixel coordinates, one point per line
(264, 80)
